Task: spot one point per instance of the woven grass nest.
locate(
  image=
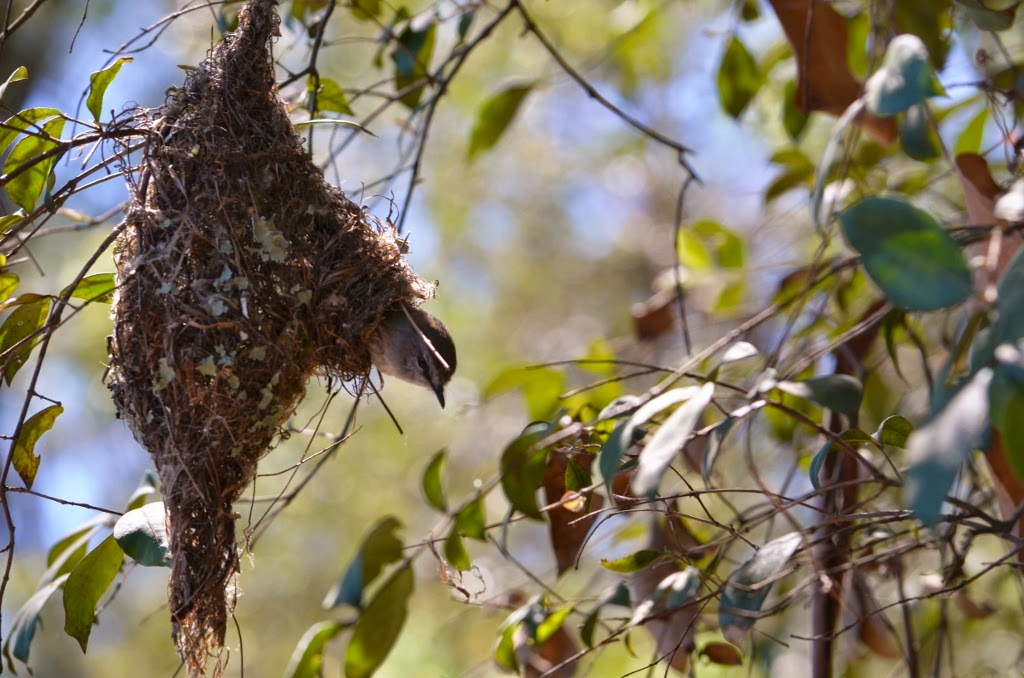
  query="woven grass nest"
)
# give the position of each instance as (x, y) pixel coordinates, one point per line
(241, 274)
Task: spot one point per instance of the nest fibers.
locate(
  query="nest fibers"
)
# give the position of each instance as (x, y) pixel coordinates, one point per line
(241, 273)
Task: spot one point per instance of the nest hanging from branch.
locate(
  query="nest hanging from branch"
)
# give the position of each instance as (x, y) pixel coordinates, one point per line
(241, 273)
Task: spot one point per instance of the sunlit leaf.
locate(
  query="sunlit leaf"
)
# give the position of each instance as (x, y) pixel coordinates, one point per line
(971, 135)
(455, 551)
(633, 562)
(142, 535)
(98, 84)
(23, 626)
(794, 120)
(19, 122)
(911, 258)
(328, 97)
(906, 78)
(839, 392)
(749, 584)
(937, 451)
(307, 659)
(19, 73)
(541, 388)
(433, 487)
(34, 158)
(65, 554)
(739, 78)
(470, 521)
(622, 437)
(8, 283)
(674, 591)
(98, 287)
(669, 439)
(495, 115)
(22, 322)
(24, 459)
(380, 547)
(379, 625)
(86, 585)
(895, 430)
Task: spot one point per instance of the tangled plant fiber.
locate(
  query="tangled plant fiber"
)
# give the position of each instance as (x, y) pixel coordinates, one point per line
(241, 273)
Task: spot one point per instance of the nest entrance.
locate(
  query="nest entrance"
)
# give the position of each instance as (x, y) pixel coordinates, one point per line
(241, 273)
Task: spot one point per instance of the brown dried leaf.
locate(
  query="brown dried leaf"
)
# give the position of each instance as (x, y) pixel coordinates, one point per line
(536, 661)
(980, 189)
(654, 317)
(818, 36)
(568, 530)
(721, 652)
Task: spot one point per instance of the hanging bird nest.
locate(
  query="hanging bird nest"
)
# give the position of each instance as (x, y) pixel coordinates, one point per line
(241, 273)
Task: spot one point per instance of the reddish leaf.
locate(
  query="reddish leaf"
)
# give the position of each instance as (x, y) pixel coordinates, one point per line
(818, 36)
(568, 529)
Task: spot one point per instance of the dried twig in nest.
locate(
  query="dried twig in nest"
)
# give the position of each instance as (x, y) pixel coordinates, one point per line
(242, 272)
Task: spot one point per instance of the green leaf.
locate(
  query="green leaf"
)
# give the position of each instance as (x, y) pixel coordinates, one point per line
(8, 283)
(634, 562)
(26, 463)
(739, 78)
(455, 551)
(146, 489)
(98, 287)
(307, 659)
(552, 623)
(495, 115)
(988, 19)
(672, 592)
(541, 388)
(22, 322)
(972, 133)
(411, 58)
(433, 488)
(380, 548)
(794, 120)
(328, 97)
(749, 584)
(522, 468)
(669, 439)
(470, 520)
(25, 188)
(623, 436)
(918, 137)
(98, 84)
(23, 626)
(617, 595)
(713, 447)
(895, 430)
(1006, 398)
(912, 259)
(364, 10)
(19, 73)
(142, 535)
(906, 78)
(379, 625)
(1009, 325)
(66, 554)
(504, 650)
(854, 437)
(577, 476)
(86, 585)
(839, 392)
(937, 451)
(19, 122)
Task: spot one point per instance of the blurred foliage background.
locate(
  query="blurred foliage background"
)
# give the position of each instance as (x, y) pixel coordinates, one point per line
(543, 246)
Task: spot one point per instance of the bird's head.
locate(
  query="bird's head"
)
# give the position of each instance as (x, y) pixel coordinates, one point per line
(414, 346)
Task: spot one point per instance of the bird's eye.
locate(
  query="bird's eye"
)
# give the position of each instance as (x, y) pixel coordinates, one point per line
(422, 364)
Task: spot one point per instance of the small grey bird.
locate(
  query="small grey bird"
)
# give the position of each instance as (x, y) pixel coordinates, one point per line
(414, 346)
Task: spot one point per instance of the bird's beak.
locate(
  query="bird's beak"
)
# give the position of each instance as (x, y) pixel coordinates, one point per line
(439, 392)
